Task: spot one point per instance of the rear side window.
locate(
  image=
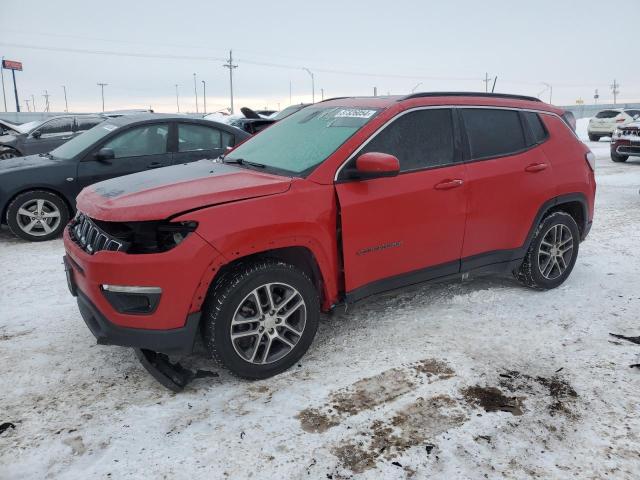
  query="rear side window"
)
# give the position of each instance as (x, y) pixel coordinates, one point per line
(607, 114)
(537, 132)
(419, 139)
(493, 132)
(57, 127)
(85, 123)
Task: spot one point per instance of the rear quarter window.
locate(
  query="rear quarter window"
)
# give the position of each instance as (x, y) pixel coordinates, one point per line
(493, 132)
(537, 132)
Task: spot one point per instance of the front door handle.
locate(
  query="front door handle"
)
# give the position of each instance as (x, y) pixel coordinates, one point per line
(154, 165)
(449, 184)
(535, 167)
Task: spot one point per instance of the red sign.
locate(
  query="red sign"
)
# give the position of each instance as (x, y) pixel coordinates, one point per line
(12, 65)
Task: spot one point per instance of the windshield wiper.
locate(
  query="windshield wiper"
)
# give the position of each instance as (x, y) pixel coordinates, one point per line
(242, 161)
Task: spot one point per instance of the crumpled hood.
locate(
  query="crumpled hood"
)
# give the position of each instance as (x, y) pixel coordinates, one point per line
(164, 192)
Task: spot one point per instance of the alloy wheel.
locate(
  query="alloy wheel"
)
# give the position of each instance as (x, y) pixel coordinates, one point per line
(555, 251)
(38, 217)
(268, 323)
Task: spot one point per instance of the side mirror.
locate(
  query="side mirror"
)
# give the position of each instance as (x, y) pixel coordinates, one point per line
(36, 134)
(375, 165)
(105, 154)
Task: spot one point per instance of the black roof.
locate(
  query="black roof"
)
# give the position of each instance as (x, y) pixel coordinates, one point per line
(471, 94)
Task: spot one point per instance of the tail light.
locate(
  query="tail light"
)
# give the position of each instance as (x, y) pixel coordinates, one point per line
(620, 120)
(591, 160)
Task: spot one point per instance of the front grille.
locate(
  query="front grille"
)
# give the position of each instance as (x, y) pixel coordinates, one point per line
(90, 238)
(632, 133)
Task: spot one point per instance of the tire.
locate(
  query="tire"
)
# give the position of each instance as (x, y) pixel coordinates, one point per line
(232, 308)
(534, 271)
(619, 158)
(48, 215)
(594, 138)
(6, 154)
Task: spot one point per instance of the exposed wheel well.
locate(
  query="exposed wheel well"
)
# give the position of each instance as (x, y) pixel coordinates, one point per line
(574, 208)
(3, 217)
(300, 257)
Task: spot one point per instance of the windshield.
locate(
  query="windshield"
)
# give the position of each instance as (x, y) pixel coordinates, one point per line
(27, 127)
(304, 139)
(73, 147)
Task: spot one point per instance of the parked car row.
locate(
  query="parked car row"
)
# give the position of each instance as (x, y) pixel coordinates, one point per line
(38, 192)
(341, 200)
(605, 122)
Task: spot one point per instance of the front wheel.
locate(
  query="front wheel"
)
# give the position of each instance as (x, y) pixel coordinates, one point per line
(619, 158)
(552, 253)
(261, 318)
(37, 215)
(594, 138)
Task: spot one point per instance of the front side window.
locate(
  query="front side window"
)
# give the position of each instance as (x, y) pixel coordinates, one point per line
(56, 127)
(139, 141)
(305, 139)
(493, 132)
(193, 137)
(419, 139)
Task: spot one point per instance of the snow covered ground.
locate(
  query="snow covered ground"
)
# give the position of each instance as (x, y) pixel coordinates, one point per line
(481, 379)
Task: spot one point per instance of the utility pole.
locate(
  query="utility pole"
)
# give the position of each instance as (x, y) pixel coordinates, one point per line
(230, 66)
(322, 94)
(66, 105)
(416, 86)
(486, 82)
(46, 101)
(195, 90)
(4, 95)
(177, 100)
(27, 103)
(15, 90)
(204, 95)
(375, 91)
(313, 84)
(615, 89)
(102, 85)
(33, 102)
(289, 92)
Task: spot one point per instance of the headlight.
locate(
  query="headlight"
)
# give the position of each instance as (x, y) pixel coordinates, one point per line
(149, 237)
(617, 133)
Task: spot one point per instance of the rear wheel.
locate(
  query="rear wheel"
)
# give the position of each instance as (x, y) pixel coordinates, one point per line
(5, 154)
(619, 158)
(37, 215)
(552, 253)
(594, 138)
(261, 318)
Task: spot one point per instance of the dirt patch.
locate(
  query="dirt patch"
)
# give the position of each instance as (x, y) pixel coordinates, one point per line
(312, 420)
(371, 392)
(11, 336)
(492, 399)
(412, 426)
(558, 389)
(432, 367)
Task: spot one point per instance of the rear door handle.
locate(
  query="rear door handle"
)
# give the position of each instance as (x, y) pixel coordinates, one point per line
(154, 165)
(535, 167)
(449, 184)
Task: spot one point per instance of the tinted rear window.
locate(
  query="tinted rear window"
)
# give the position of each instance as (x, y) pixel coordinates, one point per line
(536, 128)
(493, 132)
(607, 114)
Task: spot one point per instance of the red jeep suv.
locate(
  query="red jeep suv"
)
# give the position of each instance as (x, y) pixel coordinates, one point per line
(343, 199)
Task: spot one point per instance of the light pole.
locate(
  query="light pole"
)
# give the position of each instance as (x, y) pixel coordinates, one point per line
(66, 105)
(27, 103)
(204, 95)
(177, 101)
(102, 85)
(416, 86)
(33, 102)
(4, 95)
(313, 85)
(230, 66)
(195, 90)
(550, 87)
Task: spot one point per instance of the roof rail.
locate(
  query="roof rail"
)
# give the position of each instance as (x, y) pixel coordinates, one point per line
(470, 94)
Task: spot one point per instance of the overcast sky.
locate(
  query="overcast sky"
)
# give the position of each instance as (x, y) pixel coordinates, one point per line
(350, 46)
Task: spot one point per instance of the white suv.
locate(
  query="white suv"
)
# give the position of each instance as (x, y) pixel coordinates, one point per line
(606, 121)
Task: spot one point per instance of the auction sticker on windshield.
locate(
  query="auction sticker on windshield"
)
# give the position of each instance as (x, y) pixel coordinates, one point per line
(355, 113)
